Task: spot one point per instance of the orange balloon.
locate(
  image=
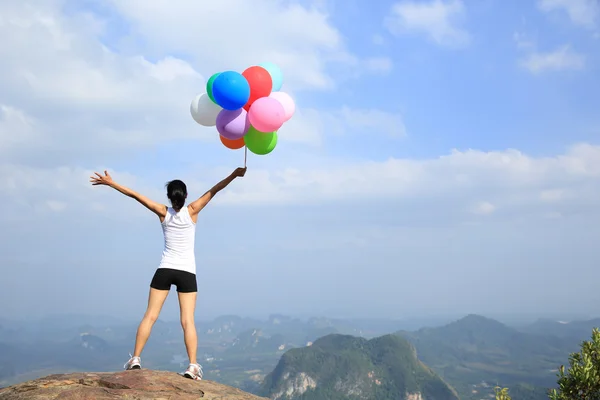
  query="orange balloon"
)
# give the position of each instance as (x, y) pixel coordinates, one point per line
(232, 144)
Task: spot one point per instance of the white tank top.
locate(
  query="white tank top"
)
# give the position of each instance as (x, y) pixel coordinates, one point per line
(180, 234)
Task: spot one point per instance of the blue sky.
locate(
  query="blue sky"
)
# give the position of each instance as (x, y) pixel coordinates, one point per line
(439, 148)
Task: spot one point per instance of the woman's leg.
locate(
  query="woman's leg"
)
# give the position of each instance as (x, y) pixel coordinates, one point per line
(187, 306)
(156, 299)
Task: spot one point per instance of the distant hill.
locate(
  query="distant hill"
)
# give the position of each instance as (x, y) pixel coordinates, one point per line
(340, 367)
(576, 330)
(477, 349)
(22, 362)
(254, 341)
(7, 365)
(296, 331)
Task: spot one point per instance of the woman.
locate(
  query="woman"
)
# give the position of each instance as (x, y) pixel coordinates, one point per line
(178, 264)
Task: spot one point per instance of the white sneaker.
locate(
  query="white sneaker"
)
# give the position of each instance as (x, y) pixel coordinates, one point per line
(133, 363)
(194, 371)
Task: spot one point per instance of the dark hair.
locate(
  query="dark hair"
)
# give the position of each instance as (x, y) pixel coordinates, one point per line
(177, 193)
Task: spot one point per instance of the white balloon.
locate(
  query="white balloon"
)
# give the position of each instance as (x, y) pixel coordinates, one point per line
(204, 111)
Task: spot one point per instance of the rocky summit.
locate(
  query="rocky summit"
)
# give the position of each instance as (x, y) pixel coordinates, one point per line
(136, 384)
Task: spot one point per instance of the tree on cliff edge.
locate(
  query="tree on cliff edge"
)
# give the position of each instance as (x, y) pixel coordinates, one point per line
(581, 381)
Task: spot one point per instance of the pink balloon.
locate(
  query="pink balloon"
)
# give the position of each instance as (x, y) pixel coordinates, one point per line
(266, 114)
(287, 102)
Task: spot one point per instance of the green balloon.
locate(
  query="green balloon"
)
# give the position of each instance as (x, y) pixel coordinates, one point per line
(209, 85)
(260, 143)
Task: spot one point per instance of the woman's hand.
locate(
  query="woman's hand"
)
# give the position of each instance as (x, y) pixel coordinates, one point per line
(102, 180)
(239, 172)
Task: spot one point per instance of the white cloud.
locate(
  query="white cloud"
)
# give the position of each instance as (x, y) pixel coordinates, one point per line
(382, 65)
(560, 59)
(70, 65)
(439, 20)
(585, 13)
(484, 208)
(371, 120)
(523, 41)
(65, 95)
(16, 129)
(509, 181)
(56, 206)
(60, 188)
(74, 99)
(305, 127)
(509, 176)
(378, 40)
(553, 215)
(309, 126)
(219, 35)
(552, 195)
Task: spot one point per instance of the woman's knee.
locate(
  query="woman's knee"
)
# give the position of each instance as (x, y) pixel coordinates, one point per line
(187, 323)
(151, 317)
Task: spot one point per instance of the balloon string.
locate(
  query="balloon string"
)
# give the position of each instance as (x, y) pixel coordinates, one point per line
(245, 155)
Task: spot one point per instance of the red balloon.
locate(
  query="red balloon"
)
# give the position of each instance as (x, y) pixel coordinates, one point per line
(260, 82)
(232, 144)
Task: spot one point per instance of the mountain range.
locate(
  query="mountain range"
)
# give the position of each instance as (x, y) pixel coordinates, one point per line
(476, 349)
(471, 354)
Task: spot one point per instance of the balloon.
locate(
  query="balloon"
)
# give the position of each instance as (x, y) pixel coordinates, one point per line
(276, 75)
(260, 143)
(266, 114)
(231, 90)
(232, 144)
(260, 84)
(204, 111)
(287, 102)
(209, 86)
(233, 124)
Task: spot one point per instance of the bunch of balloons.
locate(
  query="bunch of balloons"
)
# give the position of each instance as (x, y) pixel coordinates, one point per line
(248, 108)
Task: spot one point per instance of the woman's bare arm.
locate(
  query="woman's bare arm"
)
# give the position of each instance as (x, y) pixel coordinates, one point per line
(106, 179)
(197, 205)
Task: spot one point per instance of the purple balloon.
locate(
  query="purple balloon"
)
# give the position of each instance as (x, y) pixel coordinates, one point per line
(233, 124)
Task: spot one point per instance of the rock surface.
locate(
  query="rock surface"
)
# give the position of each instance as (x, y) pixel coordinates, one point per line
(137, 384)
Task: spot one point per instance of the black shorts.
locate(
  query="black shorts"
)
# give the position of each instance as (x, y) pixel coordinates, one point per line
(165, 277)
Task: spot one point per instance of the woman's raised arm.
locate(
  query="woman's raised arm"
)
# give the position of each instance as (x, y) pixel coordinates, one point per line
(197, 205)
(107, 180)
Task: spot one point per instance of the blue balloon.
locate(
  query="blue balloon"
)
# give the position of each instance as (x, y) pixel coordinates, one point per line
(231, 90)
(276, 75)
